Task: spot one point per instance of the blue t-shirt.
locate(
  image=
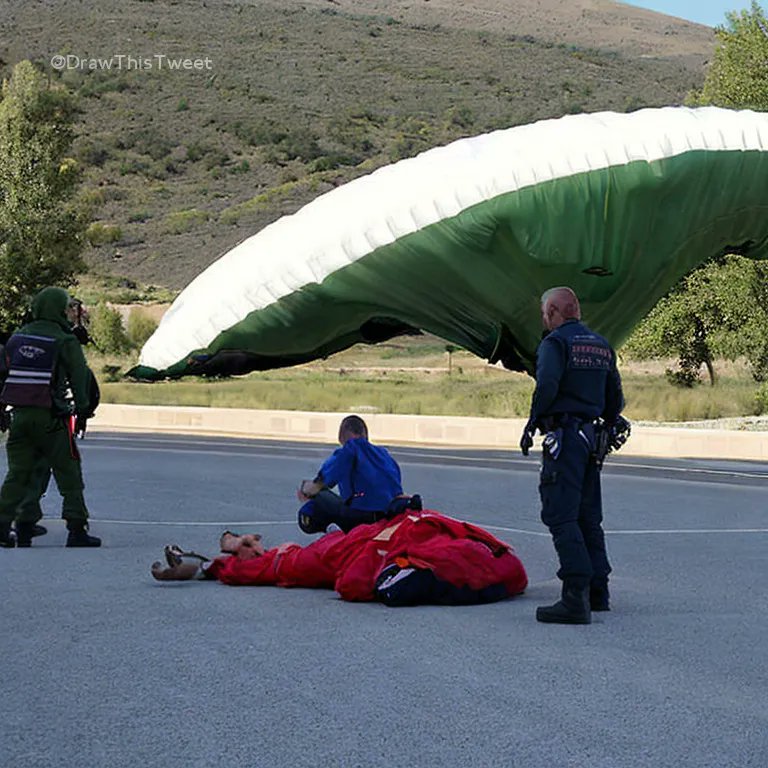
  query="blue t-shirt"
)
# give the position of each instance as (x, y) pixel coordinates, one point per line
(367, 476)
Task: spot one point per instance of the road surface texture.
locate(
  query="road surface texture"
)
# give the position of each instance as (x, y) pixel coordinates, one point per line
(104, 667)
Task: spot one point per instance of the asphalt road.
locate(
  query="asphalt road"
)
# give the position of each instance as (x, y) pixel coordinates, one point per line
(102, 666)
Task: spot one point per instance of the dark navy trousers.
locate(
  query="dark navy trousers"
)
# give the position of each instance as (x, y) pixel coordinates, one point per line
(571, 506)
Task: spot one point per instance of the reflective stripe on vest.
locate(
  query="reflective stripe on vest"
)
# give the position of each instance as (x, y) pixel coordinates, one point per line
(31, 360)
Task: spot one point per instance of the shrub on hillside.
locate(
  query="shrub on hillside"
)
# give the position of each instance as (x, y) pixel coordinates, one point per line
(183, 221)
(100, 234)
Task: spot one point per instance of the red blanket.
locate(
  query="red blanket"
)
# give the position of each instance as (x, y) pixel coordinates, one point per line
(461, 553)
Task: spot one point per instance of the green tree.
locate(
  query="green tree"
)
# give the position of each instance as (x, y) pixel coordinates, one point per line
(738, 75)
(40, 227)
(107, 330)
(716, 311)
(719, 309)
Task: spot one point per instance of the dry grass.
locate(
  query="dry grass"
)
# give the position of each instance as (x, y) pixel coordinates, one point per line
(413, 377)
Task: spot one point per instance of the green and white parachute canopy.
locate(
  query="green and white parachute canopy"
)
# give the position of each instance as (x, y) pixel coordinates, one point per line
(462, 240)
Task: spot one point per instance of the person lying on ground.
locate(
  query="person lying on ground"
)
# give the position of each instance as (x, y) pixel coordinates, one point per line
(417, 557)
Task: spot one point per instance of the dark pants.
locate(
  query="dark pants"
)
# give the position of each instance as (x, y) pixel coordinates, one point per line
(332, 508)
(35, 437)
(571, 507)
(30, 510)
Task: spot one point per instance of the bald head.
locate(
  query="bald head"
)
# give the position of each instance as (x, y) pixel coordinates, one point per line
(559, 305)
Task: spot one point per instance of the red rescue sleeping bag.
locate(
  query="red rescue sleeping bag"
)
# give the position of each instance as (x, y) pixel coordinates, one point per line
(459, 553)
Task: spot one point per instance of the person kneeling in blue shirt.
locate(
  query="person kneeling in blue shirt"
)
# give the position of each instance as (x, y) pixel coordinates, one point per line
(368, 479)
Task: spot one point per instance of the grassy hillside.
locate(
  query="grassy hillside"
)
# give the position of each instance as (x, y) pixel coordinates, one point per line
(294, 98)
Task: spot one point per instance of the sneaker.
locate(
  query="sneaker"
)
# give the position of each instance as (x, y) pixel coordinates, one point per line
(81, 538)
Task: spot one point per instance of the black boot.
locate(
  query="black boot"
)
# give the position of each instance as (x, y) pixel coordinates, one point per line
(572, 608)
(599, 596)
(25, 532)
(79, 537)
(7, 536)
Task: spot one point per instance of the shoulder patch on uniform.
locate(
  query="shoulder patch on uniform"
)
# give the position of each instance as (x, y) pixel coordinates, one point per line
(590, 353)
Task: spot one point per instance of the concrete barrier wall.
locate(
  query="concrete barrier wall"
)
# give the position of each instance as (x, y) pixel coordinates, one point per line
(395, 429)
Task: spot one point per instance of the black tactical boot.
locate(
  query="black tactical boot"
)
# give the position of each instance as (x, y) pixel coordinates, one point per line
(599, 596)
(79, 537)
(7, 536)
(25, 532)
(572, 608)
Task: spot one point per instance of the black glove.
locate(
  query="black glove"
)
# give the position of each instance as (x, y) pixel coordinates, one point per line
(526, 439)
(5, 419)
(81, 424)
(82, 335)
(620, 432)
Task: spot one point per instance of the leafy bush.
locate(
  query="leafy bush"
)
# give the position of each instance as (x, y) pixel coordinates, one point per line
(89, 152)
(133, 165)
(242, 167)
(258, 134)
(147, 141)
(463, 117)
(333, 161)
(183, 221)
(100, 234)
(215, 158)
(297, 144)
(107, 330)
(197, 151)
(140, 327)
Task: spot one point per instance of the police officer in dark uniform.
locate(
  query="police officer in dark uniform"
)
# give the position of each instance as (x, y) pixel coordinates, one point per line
(578, 392)
(47, 387)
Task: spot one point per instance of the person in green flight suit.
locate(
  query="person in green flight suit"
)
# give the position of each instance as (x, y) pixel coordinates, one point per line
(47, 387)
(30, 512)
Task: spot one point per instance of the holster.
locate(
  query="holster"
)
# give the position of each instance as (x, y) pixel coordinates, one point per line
(602, 444)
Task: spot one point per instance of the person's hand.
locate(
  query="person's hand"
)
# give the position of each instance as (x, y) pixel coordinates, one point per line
(81, 424)
(308, 490)
(526, 440)
(250, 547)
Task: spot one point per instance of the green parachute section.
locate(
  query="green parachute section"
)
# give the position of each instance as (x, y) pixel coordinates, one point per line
(462, 240)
